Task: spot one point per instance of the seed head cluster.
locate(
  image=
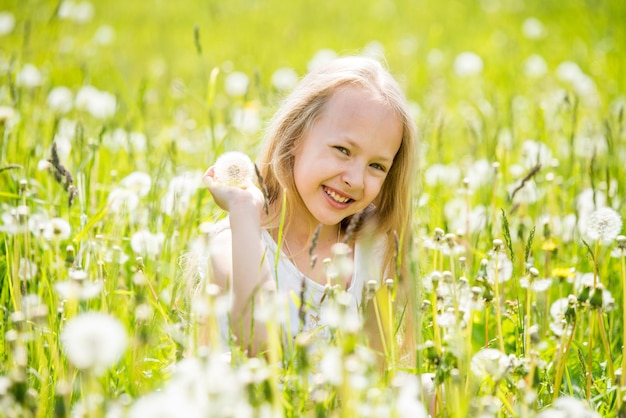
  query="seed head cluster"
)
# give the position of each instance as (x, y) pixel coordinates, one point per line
(234, 168)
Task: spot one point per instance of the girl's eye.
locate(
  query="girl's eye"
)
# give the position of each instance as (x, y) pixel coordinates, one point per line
(342, 149)
(377, 166)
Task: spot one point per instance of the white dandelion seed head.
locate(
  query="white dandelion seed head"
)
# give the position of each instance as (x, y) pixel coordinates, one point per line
(285, 79)
(490, 363)
(236, 84)
(533, 28)
(320, 58)
(27, 269)
(604, 225)
(57, 229)
(105, 35)
(568, 407)
(179, 193)
(234, 168)
(81, 12)
(479, 173)
(535, 152)
(29, 77)
(73, 290)
(138, 182)
(331, 366)
(146, 243)
(60, 99)
(447, 175)
(7, 23)
(100, 104)
(500, 267)
(248, 119)
(121, 199)
(374, 49)
(94, 341)
(7, 114)
(468, 64)
(535, 66)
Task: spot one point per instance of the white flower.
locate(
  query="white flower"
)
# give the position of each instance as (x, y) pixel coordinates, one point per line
(179, 193)
(104, 35)
(410, 388)
(234, 168)
(60, 99)
(248, 118)
(146, 243)
(589, 145)
(535, 66)
(535, 152)
(78, 290)
(468, 64)
(27, 269)
(490, 363)
(285, 79)
(57, 229)
(331, 366)
(568, 407)
(100, 104)
(121, 199)
(533, 28)
(137, 181)
(457, 217)
(447, 175)
(7, 23)
(321, 57)
(435, 57)
(604, 225)
(29, 77)
(529, 193)
(94, 341)
(479, 173)
(236, 84)
(500, 266)
(374, 49)
(584, 85)
(7, 114)
(78, 12)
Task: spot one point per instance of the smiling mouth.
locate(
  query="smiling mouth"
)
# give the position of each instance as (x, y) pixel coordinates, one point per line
(337, 197)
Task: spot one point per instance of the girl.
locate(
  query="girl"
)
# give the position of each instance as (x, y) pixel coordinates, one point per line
(337, 167)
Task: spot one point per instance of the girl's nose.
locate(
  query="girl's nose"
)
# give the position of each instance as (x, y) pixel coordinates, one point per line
(353, 176)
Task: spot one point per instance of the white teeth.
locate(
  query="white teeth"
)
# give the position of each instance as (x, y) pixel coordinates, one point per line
(336, 197)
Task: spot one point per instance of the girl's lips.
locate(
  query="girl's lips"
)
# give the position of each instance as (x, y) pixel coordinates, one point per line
(337, 199)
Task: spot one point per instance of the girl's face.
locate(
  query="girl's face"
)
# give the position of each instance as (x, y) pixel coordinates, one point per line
(343, 159)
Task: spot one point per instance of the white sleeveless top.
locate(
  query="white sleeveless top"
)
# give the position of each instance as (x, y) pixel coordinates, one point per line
(289, 280)
(367, 266)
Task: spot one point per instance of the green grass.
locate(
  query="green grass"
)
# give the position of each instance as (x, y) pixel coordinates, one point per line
(160, 74)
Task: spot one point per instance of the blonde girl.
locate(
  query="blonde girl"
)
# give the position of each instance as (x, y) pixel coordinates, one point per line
(337, 167)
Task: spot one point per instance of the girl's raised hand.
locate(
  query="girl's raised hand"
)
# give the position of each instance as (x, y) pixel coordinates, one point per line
(246, 196)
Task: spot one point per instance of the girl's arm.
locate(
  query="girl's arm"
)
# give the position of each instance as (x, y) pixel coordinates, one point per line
(239, 258)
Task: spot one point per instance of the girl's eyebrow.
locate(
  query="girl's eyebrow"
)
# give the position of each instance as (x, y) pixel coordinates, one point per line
(379, 158)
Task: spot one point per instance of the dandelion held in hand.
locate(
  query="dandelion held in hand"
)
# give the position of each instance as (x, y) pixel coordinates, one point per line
(234, 169)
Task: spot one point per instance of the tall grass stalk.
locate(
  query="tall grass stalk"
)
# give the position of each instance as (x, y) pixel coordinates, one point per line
(621, 242)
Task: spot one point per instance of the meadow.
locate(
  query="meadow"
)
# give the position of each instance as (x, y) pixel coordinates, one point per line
(110, 111)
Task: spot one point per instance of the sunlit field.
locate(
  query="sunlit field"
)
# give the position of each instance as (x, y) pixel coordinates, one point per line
(110, 111)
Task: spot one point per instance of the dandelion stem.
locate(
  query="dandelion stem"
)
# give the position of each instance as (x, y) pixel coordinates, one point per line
(605, 343)
(621, 384)
(590, 359)
(562, 362)
(497, 306)
(380, 328)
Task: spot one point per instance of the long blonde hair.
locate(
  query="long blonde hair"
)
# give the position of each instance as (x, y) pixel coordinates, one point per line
(392, 212)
